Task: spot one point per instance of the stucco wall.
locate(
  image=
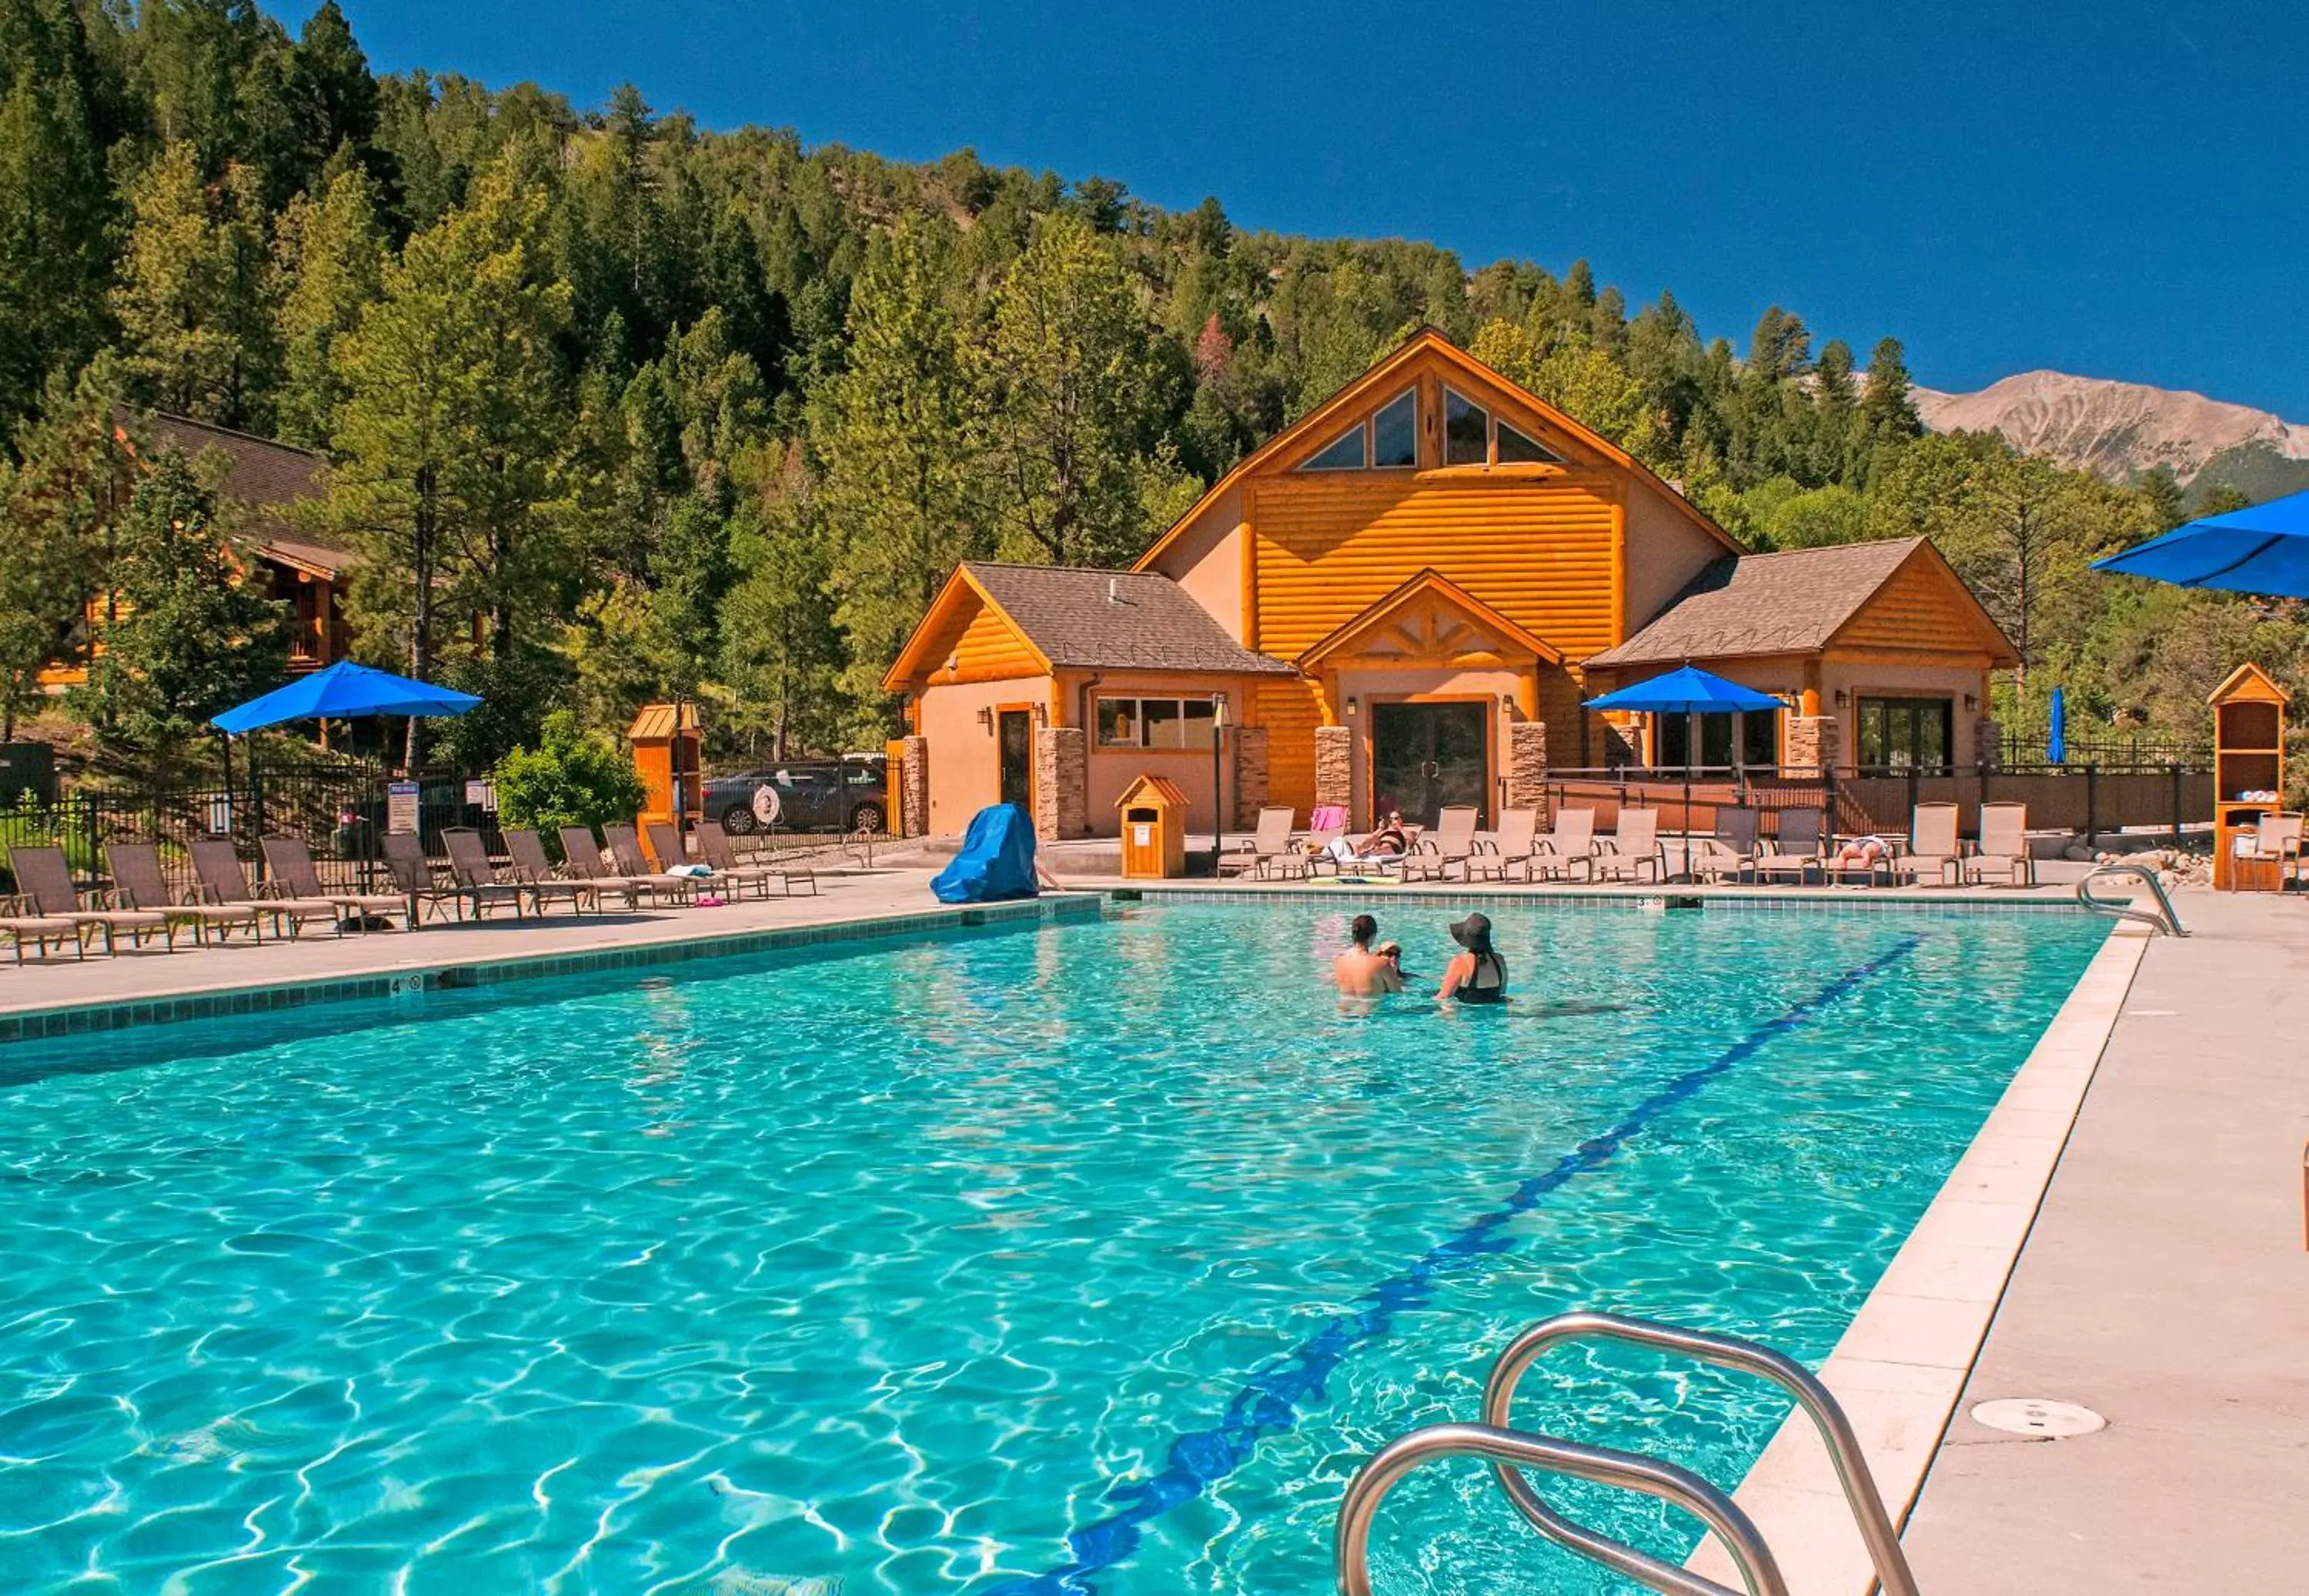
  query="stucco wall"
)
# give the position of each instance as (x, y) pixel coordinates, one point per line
(1863, 679)
(1207, 560)
(965, 758)
(1665, 551)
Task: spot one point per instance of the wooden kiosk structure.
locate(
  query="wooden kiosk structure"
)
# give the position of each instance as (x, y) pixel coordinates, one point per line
(2248, 775)
(668, 745)
(1153, 828)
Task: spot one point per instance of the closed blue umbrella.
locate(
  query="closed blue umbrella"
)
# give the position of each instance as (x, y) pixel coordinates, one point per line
(2262, 549)
(1687, 691)
(343, 692)
(2057, 740)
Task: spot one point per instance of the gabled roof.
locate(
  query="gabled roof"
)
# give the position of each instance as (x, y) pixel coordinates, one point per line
(1081, 618)
(1432, 583)
(262, 474)
(1792, 602)
(1380, 383)
(2249, 683)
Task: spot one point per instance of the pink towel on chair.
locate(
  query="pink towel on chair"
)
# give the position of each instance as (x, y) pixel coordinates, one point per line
(1327, 817)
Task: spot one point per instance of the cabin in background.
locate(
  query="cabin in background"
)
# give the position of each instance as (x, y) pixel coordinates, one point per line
(1400, 602)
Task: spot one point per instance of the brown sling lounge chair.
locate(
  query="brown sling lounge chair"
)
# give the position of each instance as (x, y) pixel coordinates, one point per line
(1518, 841)
(1569, 845)
(1453, 842)
(1633, 846)
(2004, 846)
(1795, 851)
(581, 850)
(137, 882)
(625, 847)
(414, 877)
(290, 863)
(477, 879)
(1269, 852)
(222, 881)
(530, 867)
(20, 924)
(45, 880)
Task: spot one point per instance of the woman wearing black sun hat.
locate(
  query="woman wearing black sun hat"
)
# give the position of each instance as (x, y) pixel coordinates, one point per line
(1477, 975)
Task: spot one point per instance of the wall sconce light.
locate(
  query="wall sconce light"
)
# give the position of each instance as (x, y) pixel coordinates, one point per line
(986, 720)
(1507, 704)
(1219, 721)
(1352, 703)
(1842, 698)
(1041, 714)
(1971, 700)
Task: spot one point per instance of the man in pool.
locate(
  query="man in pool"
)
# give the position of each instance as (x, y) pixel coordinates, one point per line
(1359, 971)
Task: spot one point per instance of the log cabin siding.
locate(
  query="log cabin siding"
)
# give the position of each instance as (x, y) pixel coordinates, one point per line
(1540, 553)
(983, 644)
(1919, 612)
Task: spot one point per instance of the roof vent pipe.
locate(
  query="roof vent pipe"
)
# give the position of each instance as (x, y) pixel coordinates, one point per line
(1114, 589)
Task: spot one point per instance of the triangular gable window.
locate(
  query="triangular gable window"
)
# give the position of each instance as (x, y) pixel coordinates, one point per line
(1516, 445)
(1466, 431)
(1346, 456)
(1386, 438)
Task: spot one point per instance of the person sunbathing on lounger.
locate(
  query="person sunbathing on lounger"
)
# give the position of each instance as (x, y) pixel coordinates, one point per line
(1389, 841)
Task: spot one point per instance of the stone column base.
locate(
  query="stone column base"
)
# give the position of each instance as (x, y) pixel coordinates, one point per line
(1061, 790)
(1250, 787)
(913, 815)
(1813, 745)
(1527, 767)
(1333, 766)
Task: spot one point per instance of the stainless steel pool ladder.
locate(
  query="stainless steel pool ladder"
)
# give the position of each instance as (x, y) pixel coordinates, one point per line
(2162, 917)
(1512, 1451)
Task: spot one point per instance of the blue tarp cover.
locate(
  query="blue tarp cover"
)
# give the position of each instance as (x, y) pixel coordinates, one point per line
(997, 860)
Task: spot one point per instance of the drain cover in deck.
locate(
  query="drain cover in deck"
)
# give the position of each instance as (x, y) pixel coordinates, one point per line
(2037, 1416)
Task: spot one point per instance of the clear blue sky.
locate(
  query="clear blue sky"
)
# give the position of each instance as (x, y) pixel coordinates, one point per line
(2119, 189)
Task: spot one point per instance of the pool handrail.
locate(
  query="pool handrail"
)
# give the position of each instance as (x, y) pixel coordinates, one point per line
(1723, 1351)
(2163, 917)
(1520, 1449)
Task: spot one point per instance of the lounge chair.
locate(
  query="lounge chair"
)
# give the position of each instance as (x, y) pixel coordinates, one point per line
(44, 880)
(415, 878)
(1518, 841)
(625, 847)
(1731, 850)
(2004, 846)
(2277, 838)
(722, 855)
(138, 883)
(1269, 850)
(1430, 857)
(1569, 845)
(217, 867)
(1933, 848)
(1633, 846)
(476, 878)
(581, 851)
(289, 862)
(530, 867)
(1795, 851)
(20, 925)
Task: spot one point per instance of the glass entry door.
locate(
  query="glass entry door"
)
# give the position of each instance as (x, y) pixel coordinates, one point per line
(1017, 740)
(1427, 757)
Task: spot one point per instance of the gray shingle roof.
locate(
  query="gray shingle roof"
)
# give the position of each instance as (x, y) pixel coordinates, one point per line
(1786, 603)
(262, 474)
(1116, 620)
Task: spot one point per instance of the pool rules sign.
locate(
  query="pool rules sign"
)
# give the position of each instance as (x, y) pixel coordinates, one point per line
(401, 806)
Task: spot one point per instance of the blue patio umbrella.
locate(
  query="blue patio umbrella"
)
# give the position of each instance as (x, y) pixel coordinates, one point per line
(343, 692)
(1687, 691)
(2057, 740)
(2262, 549)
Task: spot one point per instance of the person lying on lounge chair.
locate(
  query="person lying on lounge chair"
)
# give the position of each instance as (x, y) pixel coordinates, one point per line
(1861, 853)
(1389, 841)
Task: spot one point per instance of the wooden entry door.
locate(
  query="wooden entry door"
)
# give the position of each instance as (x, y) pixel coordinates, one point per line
(1014, 735)
(1427, 757)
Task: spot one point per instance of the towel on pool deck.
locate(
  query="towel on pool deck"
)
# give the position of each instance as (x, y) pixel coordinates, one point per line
(997, 860)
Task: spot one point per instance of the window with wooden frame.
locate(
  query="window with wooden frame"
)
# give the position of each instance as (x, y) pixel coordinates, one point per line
(1473, 435)
(1156, 723)
(1387, 439)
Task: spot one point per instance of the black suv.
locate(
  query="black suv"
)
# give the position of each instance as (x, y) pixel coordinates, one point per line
(801, 795)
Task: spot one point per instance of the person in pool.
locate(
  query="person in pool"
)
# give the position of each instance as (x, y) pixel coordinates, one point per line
(1477, 974)
(1359, 971)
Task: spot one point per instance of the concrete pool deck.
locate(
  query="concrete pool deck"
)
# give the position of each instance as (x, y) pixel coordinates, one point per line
(2161, 1280)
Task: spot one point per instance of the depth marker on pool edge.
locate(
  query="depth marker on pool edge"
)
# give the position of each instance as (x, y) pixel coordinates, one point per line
(1268, 1402)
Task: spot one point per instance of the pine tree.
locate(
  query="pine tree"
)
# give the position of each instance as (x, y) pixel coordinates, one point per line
(331, 256)
(1887, 415)
(192, 636)
(894, 432)
(452, 427)
(56, 203)
(191, 296)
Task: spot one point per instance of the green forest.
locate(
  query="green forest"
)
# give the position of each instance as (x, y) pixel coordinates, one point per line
(617, 406)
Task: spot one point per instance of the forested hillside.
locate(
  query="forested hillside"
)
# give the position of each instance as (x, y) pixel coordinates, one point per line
(672, 409)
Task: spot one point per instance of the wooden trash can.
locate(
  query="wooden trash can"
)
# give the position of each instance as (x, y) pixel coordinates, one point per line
(1154, 829)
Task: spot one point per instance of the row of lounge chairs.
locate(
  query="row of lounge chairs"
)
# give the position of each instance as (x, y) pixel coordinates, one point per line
(1801, 850)
(49, 912)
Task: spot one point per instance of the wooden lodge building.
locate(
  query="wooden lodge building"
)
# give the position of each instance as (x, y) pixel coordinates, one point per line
(1401, 601)
(259, 477)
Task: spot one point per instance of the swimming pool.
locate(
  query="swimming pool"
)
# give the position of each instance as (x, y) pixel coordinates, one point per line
(1084, 1257)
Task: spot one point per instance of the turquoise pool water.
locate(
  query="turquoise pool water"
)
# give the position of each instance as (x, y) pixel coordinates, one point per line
(1084, 1257)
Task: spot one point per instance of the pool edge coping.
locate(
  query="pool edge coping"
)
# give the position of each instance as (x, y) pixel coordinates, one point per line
(209, 1003)
(1901, 1367)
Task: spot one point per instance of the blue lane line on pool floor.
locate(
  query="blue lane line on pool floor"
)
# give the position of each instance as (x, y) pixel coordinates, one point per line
(1269, 1399)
